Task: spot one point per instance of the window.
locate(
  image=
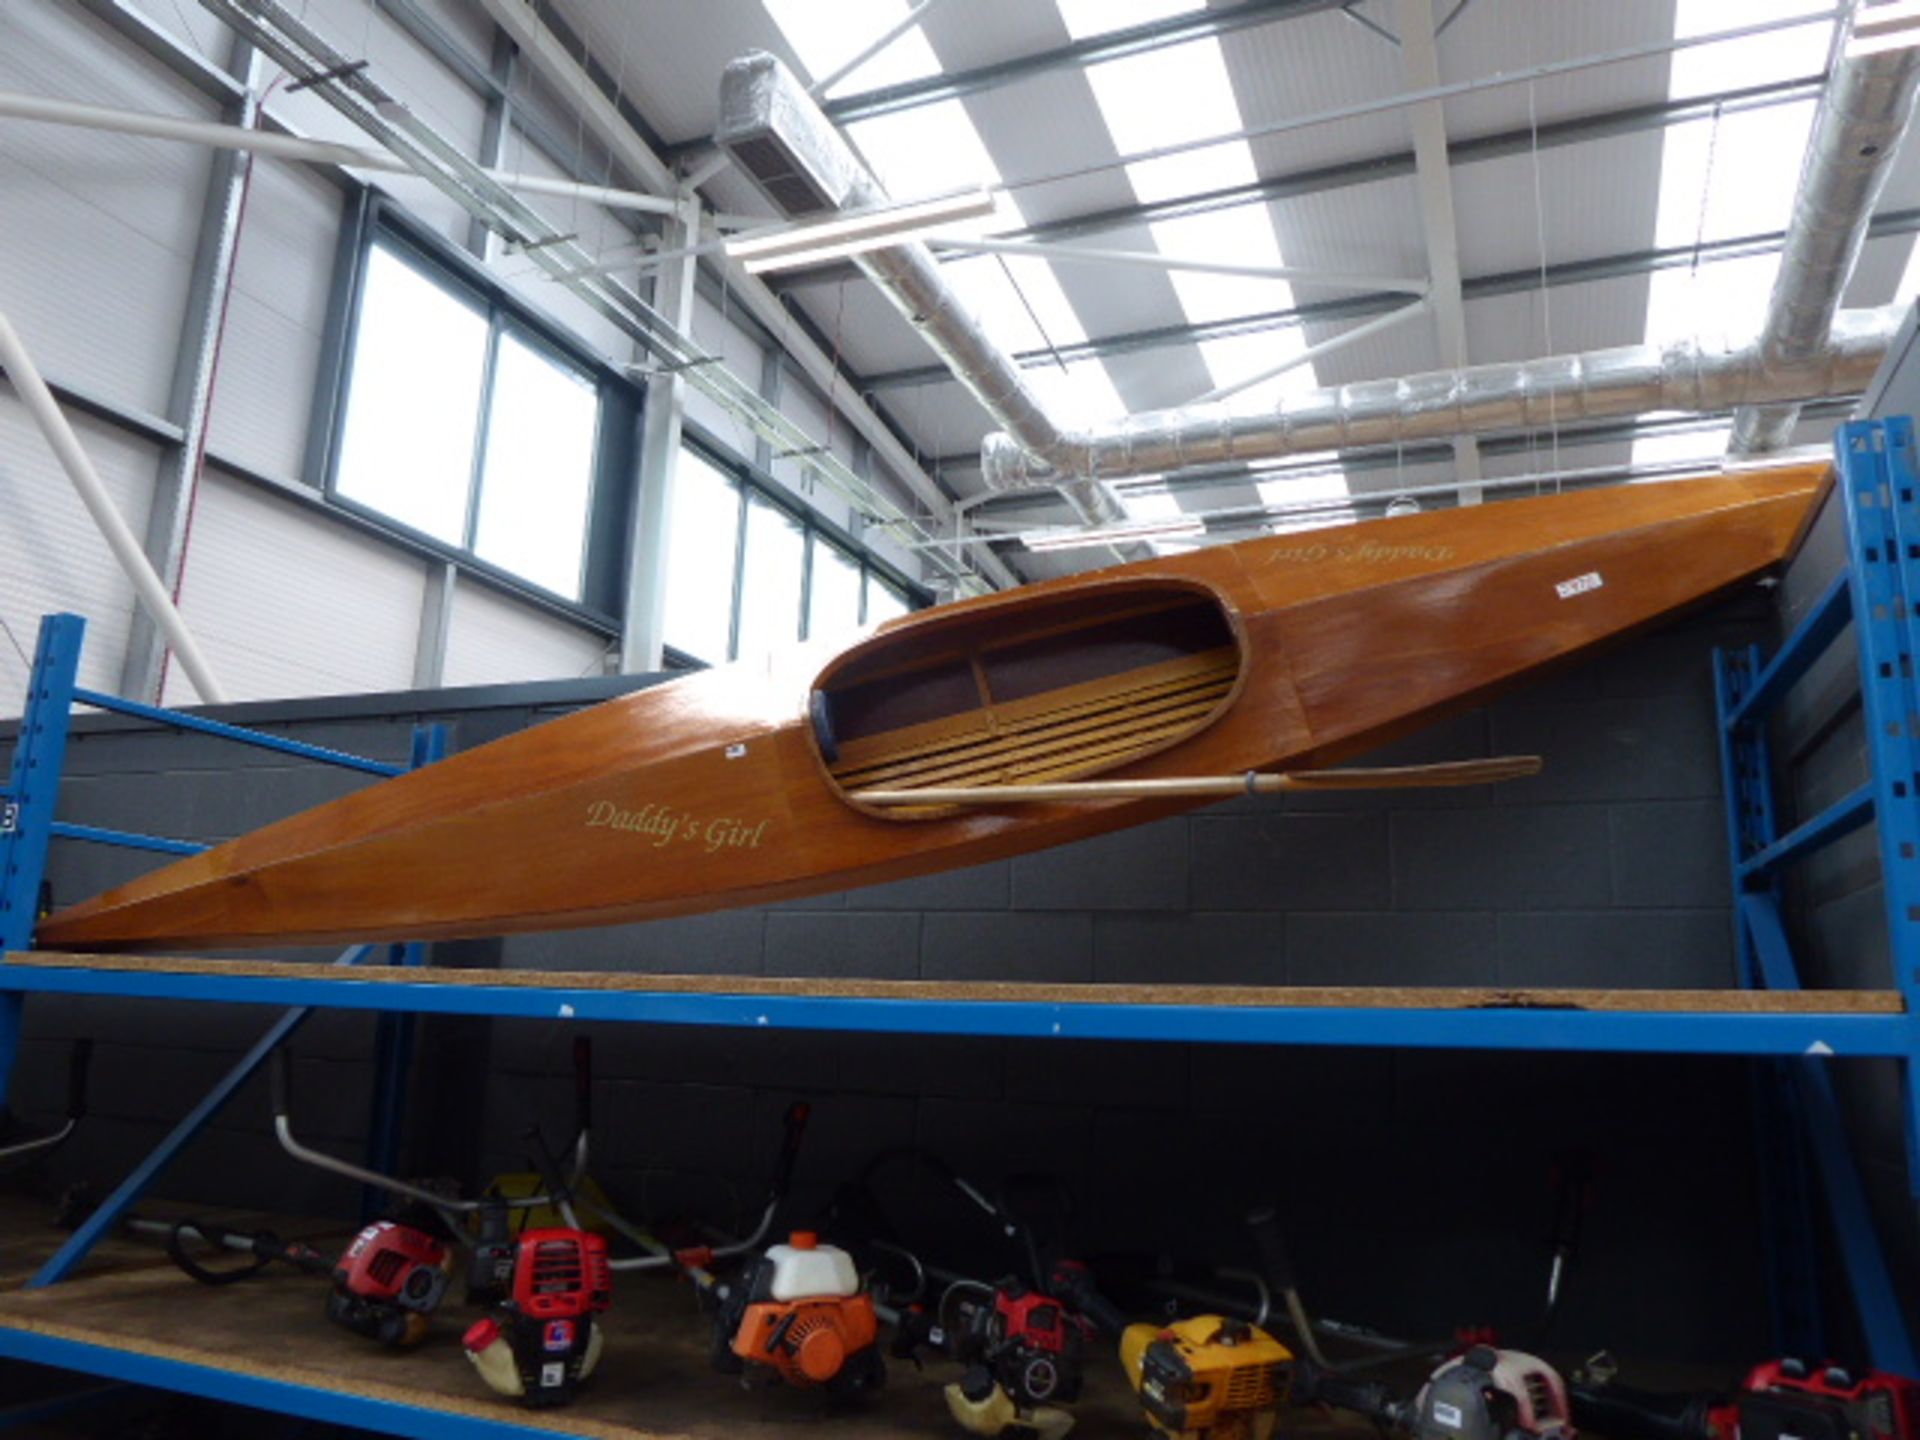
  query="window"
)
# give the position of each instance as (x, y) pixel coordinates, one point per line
(743, 569)
(770, 580)
(419, 365)
(833, 592)
(884, 601)
(705, 539)
(461, 424)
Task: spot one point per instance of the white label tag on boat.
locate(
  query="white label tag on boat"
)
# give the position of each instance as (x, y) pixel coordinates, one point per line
(1579, 585)
(1447, 1415)
(553, 1373)
(736, 750)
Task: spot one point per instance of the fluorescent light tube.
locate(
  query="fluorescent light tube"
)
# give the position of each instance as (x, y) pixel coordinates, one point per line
(855, 231)
(1879, 28)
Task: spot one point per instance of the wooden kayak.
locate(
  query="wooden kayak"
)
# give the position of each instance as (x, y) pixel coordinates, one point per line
(739, 785)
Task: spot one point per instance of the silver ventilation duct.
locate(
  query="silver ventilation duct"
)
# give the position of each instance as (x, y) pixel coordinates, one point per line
(782, 140)
(1533, 394)
(779, 135)
(1864, 111)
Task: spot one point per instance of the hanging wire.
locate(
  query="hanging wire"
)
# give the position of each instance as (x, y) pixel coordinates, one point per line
(1546, 293)
(1032, 314)
(14, 640)
(192, 39)
(1700, 219)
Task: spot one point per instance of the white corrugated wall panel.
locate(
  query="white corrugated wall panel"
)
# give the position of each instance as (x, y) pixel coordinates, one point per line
(718, 335)
(270, 352)
(55, 558)
(800, 402)
(496, 639)
(206, 36)
(100, 228)
(287, 602)
(412, 75)
(596, 230)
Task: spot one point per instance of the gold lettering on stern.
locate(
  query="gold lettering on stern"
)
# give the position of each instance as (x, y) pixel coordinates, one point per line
(1362, 552)
(662, 825)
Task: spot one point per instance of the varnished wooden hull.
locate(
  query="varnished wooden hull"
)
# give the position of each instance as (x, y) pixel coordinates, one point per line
(713, 791)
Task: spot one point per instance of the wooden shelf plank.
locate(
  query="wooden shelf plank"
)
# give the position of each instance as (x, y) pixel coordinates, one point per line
(1716, 1002)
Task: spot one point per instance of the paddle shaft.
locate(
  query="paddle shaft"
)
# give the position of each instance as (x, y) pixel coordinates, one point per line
(1390, 777)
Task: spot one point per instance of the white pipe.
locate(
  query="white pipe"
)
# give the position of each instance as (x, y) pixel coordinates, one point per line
(1314, 352)
(610, 196)
(880, 42)
(1095, 255)
(65, 445)
(17, 106)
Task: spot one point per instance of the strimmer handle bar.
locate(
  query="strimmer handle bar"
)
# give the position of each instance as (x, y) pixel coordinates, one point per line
(583, 1081)
(1626, 1413)
(79, 1062)
(1363, 1397)
(795, 1126)
(1276, 1264)
(280, 1082)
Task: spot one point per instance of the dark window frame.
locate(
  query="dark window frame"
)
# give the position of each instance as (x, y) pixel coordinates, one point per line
(816, 527)
(372, 217)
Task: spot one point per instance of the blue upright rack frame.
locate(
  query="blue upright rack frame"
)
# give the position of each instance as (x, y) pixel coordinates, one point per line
(1800, 1114)
(28, 828)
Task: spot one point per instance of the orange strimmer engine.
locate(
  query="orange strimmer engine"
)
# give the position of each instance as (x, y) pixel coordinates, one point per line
(798, 1314)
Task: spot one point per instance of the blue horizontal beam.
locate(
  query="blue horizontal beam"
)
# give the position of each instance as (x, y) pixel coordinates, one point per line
(259, 1392)
(239, 734)
(1518, 1027)
(1805, 645)
(1842, 817)
(128, 839)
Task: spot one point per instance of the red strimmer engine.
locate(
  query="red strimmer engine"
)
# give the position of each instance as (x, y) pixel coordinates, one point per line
(389, 1282)
(543, 1341)
(1029, 1343)
(1791, 1400)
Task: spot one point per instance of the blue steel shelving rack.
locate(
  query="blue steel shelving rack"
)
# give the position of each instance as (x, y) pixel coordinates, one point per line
(1874, 461)
(1798, 1112)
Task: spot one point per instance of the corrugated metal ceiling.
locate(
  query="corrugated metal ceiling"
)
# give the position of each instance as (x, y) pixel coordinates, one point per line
(1568, 203)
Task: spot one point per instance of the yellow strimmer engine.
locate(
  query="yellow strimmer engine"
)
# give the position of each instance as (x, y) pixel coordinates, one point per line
(1208, 1378)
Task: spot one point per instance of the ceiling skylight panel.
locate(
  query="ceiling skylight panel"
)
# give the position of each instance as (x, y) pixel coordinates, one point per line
(1789, 54)
(1098, 17)
(1723, 178)
(826, 36)
(934, 149)
(1910, 277)
(1168, 97)
(1183, 93)
(1705, 446)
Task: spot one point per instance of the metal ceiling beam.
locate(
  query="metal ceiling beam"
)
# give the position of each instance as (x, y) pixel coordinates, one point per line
(1433, 178)
(1134, 40)
(1474, 287)
(1606, 124)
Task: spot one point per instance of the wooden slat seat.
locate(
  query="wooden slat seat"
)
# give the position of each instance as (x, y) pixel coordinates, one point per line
(1094, 725)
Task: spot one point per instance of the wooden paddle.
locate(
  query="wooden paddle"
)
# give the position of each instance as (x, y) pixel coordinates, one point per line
(1385, 777)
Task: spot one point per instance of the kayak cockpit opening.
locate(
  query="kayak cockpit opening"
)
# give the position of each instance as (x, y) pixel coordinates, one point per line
(1024, 691)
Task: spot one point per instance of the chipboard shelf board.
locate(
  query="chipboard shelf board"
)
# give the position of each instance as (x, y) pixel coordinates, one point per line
(1701, 1022)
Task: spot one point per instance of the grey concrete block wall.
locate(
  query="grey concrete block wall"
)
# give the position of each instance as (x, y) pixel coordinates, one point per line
(1607, 871)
